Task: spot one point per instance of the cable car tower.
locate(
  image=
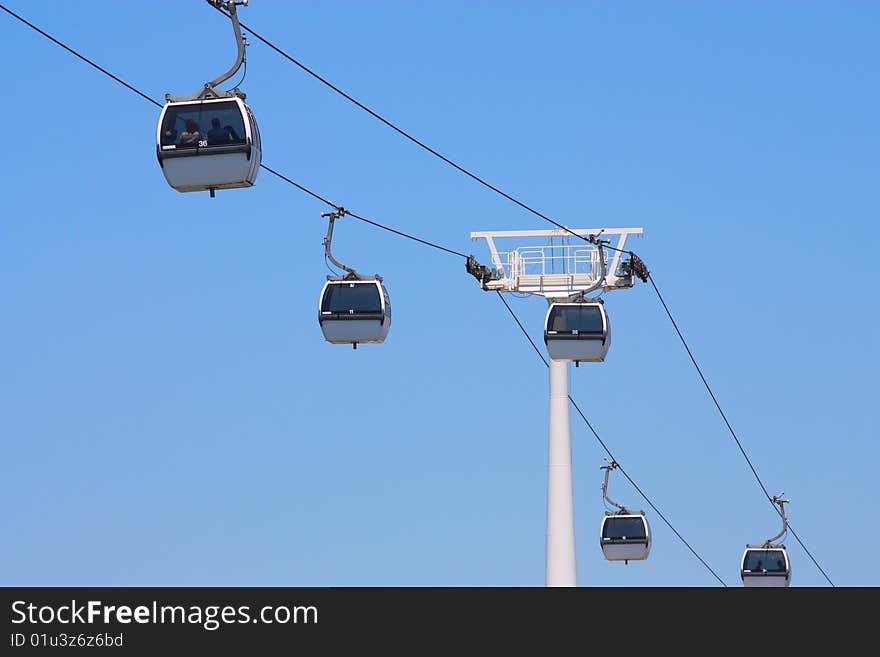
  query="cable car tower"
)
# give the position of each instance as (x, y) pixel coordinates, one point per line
(573, 264)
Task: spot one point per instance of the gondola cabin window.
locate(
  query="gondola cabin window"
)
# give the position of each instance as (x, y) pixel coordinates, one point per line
(202, 125)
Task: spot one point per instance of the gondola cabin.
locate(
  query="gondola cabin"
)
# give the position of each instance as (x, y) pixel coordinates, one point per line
(578, 331)
(766, 567)
(354, 311)
(208, 144)
(625, 537)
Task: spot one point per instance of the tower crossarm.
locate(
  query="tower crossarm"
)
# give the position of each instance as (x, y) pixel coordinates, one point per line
(557, 263)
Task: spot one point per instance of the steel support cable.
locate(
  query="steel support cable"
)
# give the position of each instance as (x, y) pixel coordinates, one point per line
(408, 136)
(85, 59)
(295, 184)
(608, 451)
(264, 166)
(492, 187)
(729, 426)
(400, 233)
(360, 218)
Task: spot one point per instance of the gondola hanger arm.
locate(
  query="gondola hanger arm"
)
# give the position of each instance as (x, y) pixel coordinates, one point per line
(328, 240)
(612, 465)
(239, 40)
(209, 90)
(777, 500)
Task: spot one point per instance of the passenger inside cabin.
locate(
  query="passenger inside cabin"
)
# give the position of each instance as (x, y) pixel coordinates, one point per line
(191, 136)
(233, 135)
(169, 136)
(217, 135)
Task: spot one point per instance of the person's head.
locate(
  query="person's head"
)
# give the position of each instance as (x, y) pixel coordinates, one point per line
(215, 122)
(191, 125)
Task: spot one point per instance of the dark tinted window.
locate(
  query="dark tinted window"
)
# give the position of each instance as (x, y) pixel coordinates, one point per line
(345, 297)
(202, 125)
(771, 561)
(616, 528)
(579, 317)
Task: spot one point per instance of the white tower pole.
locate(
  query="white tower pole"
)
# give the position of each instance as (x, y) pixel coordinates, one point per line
(525, 270)
(561, 567)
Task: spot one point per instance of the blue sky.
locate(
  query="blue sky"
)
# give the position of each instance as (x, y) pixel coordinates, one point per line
(172, 416)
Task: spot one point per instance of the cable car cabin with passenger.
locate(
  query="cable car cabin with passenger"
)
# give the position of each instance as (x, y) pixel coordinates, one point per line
(353, 311)
(625, 537)
(766, 566)
(208, 144)
(209, 140)
(578, 331)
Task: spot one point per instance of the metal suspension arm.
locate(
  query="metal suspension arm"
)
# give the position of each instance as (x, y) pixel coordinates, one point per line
(608, 468)
(208, 89)
(777, 499)
(236, 28)
(329, 239)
